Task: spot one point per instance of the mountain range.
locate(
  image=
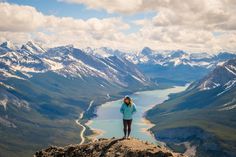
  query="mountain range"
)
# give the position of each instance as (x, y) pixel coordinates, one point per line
(108, 63)
(66, 61)
(204, 114)
(43, 90)
(169, 67)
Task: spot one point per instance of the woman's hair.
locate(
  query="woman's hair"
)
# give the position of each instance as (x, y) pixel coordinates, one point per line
(130, 100)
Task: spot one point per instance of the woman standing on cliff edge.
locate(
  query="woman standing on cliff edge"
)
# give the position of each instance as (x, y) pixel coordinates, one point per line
(128, 108)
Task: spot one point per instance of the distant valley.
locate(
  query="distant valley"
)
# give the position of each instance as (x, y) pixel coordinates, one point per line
(43, 90)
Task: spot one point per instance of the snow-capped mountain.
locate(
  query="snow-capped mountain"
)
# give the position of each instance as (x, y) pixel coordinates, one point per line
(33, 48)
(104, 52)
(179, 58)
(106, 63)
(67, 61)
(41, 88)
(20, 60)
(224, 76)
(208, 105)
(166, 58)
(7, 46)
(176, 66)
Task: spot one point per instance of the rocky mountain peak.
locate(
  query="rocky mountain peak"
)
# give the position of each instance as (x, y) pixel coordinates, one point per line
(220, 76)
(8, 45)
(109, 148)
(33, 47)
(225, 56)
(146, 51)
(177, 54)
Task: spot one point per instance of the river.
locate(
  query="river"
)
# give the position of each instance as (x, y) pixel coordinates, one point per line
(109, 119)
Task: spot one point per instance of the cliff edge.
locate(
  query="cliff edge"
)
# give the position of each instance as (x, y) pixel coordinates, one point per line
(109, 148)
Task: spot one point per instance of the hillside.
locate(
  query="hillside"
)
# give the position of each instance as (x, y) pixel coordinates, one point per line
(109, 148)
(43, 91)
(204, 114)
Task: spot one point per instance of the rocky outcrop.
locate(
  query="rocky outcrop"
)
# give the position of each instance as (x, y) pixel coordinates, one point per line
(109, 148)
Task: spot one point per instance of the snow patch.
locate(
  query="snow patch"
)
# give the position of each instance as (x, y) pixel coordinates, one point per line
(228, 86)
(231, 71)
(26, 69)
(7, 123)
(4, 102)
(220, 63)
(53, 64)
(138, 79)
(176, 61)
(108, 96)
(228, 106)
(8, 74)
(7, 86)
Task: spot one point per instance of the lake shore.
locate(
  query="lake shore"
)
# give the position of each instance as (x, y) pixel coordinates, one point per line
(98, 132)
(150, 98)
(91, 133)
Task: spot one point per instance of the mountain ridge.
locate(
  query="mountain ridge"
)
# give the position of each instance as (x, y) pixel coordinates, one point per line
(220, 76)
(47, 91)
(197, 114)
(68, 61)
(157, 65)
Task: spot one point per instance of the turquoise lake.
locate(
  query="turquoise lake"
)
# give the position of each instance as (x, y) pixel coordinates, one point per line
(109, 119)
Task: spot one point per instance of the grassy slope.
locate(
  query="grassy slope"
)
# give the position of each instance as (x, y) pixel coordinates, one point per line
(55, 103)
(198, 109)
(35, 133)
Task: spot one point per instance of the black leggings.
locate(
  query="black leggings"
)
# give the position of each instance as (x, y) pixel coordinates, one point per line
(127, 126)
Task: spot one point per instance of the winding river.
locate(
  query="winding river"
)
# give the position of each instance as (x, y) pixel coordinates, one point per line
(108, 122)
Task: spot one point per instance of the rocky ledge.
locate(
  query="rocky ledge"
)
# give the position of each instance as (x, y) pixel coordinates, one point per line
(109, 148)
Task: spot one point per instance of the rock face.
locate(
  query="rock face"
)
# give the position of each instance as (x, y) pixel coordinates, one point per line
(109, 148)
(224, 76)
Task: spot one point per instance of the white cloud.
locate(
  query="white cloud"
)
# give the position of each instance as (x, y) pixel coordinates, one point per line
(22, 23)
(16, 18)
(122, 6)
(189, 25)
(204, 13)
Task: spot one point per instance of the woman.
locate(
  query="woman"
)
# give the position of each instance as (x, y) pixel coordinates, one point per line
(127, 109)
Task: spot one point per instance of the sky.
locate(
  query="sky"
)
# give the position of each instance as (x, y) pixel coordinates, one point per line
(190, 25)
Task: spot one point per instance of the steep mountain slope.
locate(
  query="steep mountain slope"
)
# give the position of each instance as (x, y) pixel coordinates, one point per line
(169, 67)
(68, 61)
(221, 76)
(42, 92)
(109, 148)
(33, 48)
(204, 114)
(178, 67)
(25, 124)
